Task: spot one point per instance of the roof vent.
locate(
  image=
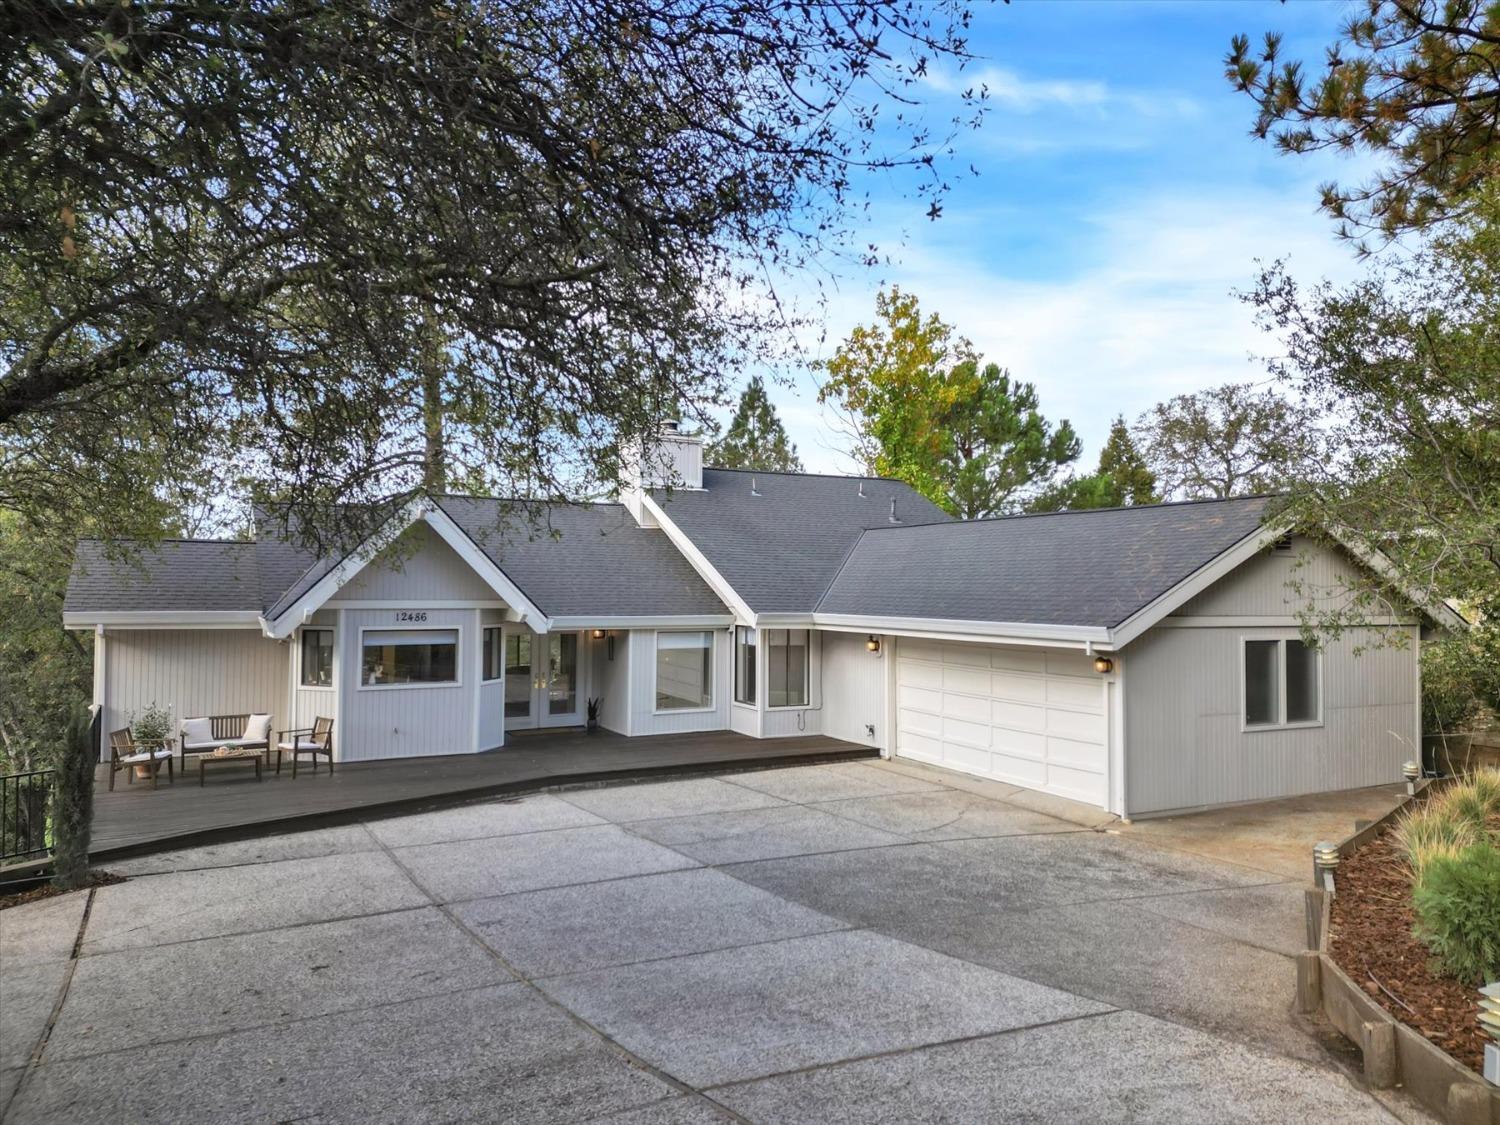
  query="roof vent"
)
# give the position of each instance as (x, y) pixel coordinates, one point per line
(894, 518)
(861, 490)
(754, 488)
(1282, 546)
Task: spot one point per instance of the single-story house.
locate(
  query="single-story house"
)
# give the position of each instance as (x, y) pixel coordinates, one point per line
(1144, 660)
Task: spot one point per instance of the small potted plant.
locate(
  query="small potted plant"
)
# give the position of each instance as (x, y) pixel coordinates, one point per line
(149, 729)
(594, 705)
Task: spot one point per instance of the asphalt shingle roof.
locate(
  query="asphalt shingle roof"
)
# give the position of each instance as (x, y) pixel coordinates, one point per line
(780, 549)
(193, 575)
(1085, 568)
(569, 559)
(577, 560)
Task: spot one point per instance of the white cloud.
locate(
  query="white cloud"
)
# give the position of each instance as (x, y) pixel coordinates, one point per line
(1011, 90)
(1149, 312)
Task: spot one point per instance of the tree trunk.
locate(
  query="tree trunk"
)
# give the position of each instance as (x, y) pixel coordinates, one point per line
(73, 805)
(434, 455)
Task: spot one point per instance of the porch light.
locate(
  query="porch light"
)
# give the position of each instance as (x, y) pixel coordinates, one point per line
(598, 634)
(872, 643)
(1412, 772)
(1325, 859)
(1489, 1023)
(1103, 665)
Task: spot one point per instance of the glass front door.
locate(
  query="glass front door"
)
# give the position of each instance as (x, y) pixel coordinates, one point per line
(542, 684)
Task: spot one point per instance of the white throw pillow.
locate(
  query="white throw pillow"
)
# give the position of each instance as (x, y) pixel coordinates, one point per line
(195, 731)
(258, 729)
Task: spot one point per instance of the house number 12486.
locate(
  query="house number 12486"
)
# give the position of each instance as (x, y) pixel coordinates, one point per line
(417, 615)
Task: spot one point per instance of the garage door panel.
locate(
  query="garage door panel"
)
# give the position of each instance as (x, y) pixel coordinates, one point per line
(966, 733)
(975, 681)
(974, 708)
(1021, 716)
(919, 699)
(1078, 725)
(1009, 685)
(919, 673)
(1018, 660)
(1064, 662)
(1068, 692)
(1025, 744)
(1034, 718)
(1073, 754)
(1018, 771)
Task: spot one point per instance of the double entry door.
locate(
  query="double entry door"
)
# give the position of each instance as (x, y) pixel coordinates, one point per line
(542, 683)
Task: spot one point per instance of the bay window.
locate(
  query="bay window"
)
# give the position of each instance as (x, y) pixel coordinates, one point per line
(317, 657)
(744, 664)
(786, 667)
(391, 658)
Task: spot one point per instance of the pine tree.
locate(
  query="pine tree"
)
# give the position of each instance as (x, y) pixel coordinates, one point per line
(1121, 460)
(756, 439)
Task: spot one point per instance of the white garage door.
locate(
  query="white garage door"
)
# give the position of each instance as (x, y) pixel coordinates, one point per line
(1034, 717)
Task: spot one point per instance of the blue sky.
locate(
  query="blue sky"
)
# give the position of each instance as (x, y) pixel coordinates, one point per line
(1120, 202)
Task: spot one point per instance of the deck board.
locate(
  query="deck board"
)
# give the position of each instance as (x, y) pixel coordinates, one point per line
(134, 818)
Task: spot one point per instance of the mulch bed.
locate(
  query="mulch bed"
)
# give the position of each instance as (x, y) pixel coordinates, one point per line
(47, 890)
(1370, 938)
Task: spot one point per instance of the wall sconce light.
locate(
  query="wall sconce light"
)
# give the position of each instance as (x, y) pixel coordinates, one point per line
(609, 647)
(873, 643)
(598, 634)
(1103, 665)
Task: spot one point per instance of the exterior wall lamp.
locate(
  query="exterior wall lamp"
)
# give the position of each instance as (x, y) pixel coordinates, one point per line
(873, 643)
(1103, 665)
(598, 634)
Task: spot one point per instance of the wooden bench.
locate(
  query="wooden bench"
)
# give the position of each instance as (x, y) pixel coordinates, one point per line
(224, 730)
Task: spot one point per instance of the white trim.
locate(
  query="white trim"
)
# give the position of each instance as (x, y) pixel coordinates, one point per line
(698, 561)
(458, 647)
(1115, 706)
(1195, 583)
(713, 673)
(689, 623)
(451, 534)
(1280, 637)
(426, 603)
(168, 619)
(984, 632)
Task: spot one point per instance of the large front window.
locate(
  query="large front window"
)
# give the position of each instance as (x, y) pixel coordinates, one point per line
(744, 665)
(317, 657)
(786, 667)
(1283, 683)
(684, 671)
(409, 656)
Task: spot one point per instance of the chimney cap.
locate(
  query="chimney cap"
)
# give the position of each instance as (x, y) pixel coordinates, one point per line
(671, 425)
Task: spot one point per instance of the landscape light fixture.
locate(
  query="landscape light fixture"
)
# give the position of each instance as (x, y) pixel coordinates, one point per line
(1412, 772)
(1325, 859)
(873, 643)
(1103, 665)
(1489, 1023)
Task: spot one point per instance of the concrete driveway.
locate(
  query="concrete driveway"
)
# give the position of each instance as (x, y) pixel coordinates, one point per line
(856, 942)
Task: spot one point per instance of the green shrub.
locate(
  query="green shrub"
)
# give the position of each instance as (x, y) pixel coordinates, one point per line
(1457, 904)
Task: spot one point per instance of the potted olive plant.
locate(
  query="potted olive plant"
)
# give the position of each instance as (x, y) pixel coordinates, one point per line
(150, 728)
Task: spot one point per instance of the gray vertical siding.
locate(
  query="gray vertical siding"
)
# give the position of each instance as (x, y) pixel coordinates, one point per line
(853, 688)
(194, 672)
(426, 570)
(611, 681)
(1260, 587)
(644, 718)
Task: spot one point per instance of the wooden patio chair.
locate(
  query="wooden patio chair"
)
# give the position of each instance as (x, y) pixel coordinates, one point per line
(315, 740)
(125, 753)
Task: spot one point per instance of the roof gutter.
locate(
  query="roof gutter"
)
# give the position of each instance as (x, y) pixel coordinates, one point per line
(953, 629)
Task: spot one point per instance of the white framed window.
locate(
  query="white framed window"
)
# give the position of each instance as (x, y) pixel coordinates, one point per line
(1281, 683)
(744, 664)
(684, 671)
(391, 658)
(787, 667)
(494, 653)
(317, 658)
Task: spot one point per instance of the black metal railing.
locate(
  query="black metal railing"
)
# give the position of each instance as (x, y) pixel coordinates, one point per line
(25, 815)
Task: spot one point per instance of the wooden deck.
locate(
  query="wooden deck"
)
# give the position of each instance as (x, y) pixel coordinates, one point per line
(135, 819)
